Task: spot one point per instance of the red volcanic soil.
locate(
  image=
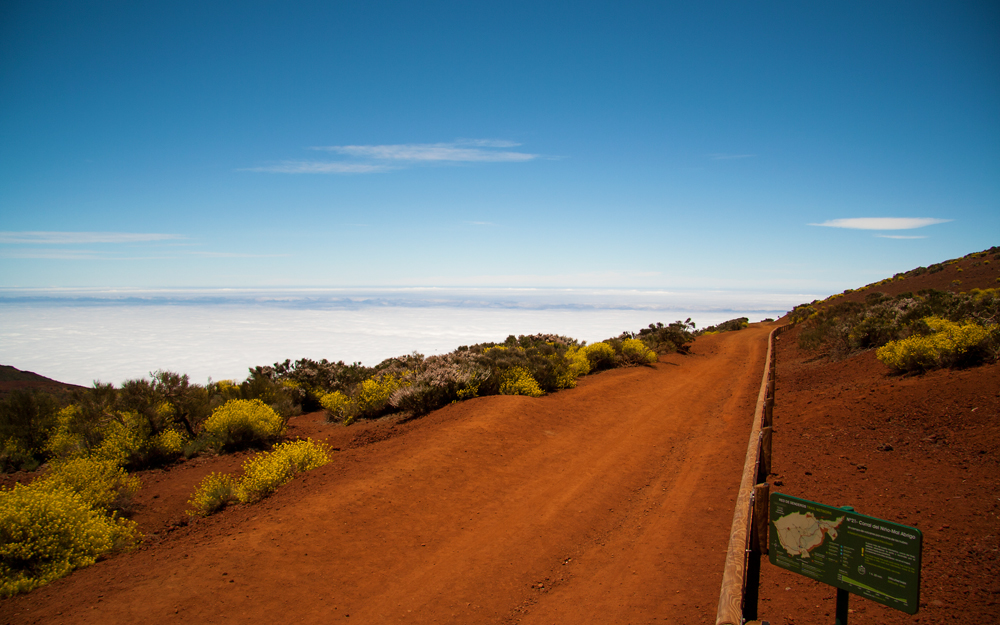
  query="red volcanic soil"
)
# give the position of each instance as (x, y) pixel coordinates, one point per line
(921, 450)
(607, 503)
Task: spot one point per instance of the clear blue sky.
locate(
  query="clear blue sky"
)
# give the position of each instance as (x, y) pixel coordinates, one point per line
(659, 144)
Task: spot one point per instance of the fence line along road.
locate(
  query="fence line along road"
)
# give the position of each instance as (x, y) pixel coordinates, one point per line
(748, 537)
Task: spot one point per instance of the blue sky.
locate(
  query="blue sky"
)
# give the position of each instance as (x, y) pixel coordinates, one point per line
(776, 146)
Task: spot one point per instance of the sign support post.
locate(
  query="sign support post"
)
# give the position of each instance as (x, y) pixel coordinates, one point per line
(843, 597)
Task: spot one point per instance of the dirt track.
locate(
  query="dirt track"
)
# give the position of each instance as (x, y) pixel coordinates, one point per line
(608, 503)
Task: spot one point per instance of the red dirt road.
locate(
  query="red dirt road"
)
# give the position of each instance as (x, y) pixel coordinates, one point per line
(608, 503)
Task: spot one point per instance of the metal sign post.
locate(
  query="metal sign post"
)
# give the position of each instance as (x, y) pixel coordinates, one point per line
(855, 553)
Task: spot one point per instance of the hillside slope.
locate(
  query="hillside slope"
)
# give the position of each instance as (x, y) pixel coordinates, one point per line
(922, 450)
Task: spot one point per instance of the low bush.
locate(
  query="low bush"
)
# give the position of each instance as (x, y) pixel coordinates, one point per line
(577, 365)
(128, 443)
(370, 399)
(948, 344)
(635, 352)
(600, 355)
(242, 423)
(47, 529)
(518, 381)
(670, 338)
(263, 473)
(733, 325)
(101, 483)
(26, 416)
(442, 380)
(214, 493)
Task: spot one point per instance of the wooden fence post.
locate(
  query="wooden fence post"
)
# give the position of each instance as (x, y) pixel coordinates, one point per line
(762, 514)
(765, 448)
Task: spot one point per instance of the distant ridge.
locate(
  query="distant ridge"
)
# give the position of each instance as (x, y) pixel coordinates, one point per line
(12, 379)
(978, 270)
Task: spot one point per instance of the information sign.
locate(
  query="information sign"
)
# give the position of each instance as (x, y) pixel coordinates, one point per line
(877, 559)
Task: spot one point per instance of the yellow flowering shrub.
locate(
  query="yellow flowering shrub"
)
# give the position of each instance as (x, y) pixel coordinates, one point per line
(336, 404)
(946, 345)
(64, 441)
(263, 473)
(599, 354)
(99, 482)
(577, 365)
(169, 442)
(372, 396)
(47, 530)
(636, 352)
(518, 381)
(214, 493)
(123, 440)
(244, 422)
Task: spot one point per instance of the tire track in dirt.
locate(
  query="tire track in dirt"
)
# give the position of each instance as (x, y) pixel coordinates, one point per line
(608, 503)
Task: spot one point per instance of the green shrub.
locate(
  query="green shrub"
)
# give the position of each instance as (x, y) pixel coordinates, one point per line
(666, 339)
(733, 325)
(47, 529)
(949, 344)
(443, 379)
(241, 423)
(518, 381)
(371, 398)
(26, 416)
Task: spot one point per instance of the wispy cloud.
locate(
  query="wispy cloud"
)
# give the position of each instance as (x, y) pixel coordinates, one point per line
(369, 159)
(50, 254)
(236, 255)
(882, 223)
(456, 152)
(77, 238)
(318, 167)
(899, 236)
(728, 157)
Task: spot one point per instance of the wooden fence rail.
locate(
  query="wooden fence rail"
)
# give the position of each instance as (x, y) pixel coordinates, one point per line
(748, 537)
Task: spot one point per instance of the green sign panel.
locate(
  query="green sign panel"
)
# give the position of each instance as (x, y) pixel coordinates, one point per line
(870, 557)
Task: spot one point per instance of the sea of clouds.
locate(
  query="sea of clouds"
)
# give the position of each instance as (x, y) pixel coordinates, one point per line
(111, 335)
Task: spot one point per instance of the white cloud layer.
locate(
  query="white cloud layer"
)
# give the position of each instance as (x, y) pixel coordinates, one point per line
(882, 223)
(75, 238)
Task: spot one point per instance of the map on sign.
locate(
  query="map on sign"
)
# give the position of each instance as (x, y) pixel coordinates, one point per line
(877, 559)
(799, 533)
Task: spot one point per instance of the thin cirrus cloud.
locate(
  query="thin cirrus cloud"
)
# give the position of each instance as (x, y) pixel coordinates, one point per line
(367, 159)
(77, 238)
(729, 157)
(882, 223)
